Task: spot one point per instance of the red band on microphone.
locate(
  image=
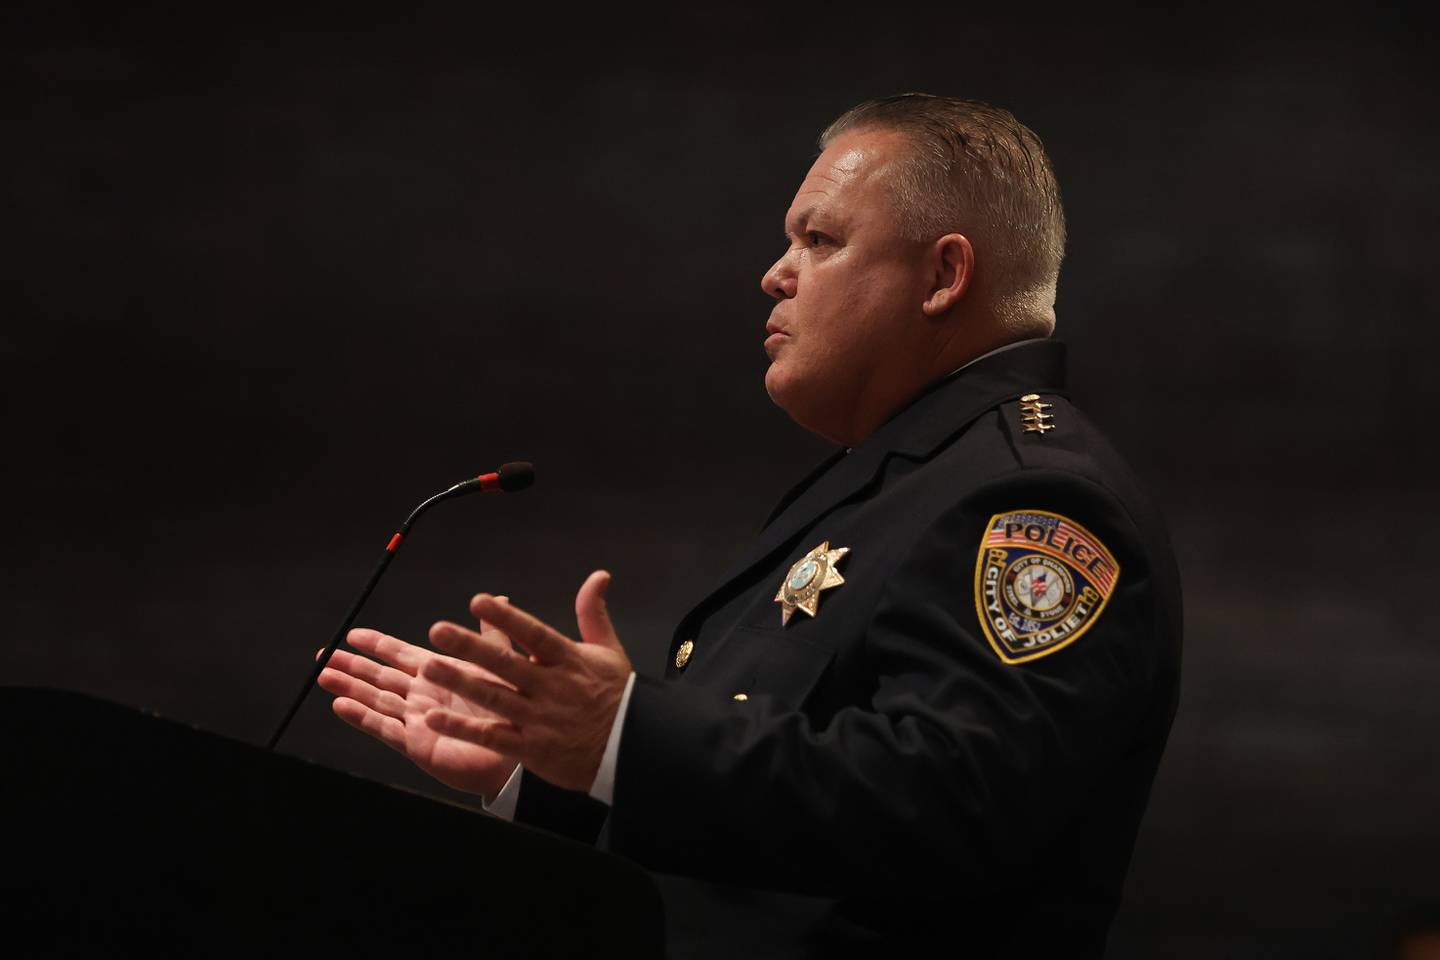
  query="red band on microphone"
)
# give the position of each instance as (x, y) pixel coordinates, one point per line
(394, 543)
(489, 482)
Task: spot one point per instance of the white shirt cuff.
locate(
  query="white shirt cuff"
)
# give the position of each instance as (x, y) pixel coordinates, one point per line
(503, 806)
(603, 789)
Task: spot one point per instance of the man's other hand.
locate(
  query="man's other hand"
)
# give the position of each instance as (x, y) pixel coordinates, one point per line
(388, 699)
(552, 710)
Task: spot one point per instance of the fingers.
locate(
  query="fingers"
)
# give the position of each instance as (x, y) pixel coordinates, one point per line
(403, 656)
(591, 612)
(387, 730)
(498, 735)
(343, 684)
(544, 644)
(485, 625)
(375, 674)
(486, 651)
(467, 681)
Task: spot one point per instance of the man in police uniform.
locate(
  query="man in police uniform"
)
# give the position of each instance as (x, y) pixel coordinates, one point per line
(930, 699)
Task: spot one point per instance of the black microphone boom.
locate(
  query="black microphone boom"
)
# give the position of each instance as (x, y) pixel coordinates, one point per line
(511, 478)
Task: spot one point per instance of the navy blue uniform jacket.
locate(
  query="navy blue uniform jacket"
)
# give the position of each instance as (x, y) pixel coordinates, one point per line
(897, 774)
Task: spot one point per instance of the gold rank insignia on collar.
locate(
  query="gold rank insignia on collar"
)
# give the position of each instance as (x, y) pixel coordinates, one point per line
(811, 573)
(1033, 417)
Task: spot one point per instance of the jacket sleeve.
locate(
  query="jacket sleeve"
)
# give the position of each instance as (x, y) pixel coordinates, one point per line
(957, 757)
(568, 813)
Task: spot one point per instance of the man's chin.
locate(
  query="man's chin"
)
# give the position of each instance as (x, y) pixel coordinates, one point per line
(805, 403)
(777, 384)
(787, 392)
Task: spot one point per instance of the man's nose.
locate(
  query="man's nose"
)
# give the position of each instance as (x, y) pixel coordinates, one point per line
(779, 280)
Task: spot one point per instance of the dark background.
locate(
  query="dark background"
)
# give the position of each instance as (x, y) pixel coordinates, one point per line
(271, 283)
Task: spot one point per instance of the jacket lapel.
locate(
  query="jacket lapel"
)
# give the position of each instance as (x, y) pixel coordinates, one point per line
(804, 484)
(937, 415)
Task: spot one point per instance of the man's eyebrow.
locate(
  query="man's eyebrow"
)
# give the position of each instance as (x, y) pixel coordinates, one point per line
(804, 216)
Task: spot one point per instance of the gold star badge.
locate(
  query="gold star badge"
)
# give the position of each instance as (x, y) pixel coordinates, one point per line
(812, 573)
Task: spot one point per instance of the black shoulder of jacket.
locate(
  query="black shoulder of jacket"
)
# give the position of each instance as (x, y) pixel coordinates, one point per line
(1070, 444)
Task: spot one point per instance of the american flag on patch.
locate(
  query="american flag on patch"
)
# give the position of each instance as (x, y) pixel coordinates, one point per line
(1039, 583)
(1008, 530)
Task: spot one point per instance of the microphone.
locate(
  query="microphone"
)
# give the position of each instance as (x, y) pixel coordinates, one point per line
(510, 478)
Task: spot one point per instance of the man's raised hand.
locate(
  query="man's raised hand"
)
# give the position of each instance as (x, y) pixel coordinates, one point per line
(552, 710)
(386, 698)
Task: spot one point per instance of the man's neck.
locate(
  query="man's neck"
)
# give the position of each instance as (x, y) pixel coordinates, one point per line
(991, 353)
(957, 371)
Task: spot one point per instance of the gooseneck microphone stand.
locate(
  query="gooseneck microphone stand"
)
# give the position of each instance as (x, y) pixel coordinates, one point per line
(510, 478)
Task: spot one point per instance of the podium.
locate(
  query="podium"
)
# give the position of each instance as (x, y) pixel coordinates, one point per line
(131, 835)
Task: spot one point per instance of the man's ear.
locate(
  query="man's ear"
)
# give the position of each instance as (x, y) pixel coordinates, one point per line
(953, 260)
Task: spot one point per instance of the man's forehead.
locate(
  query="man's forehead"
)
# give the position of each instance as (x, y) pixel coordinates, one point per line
(841, 172)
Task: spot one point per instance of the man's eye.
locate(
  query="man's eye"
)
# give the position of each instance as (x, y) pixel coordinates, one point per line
(816, 239)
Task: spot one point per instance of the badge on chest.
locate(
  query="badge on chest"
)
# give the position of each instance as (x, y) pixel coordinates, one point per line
(811, 574)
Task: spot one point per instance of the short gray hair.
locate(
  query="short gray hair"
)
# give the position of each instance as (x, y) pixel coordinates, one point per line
(975, 169)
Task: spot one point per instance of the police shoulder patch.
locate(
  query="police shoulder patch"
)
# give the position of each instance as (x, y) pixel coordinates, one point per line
(1041, 581)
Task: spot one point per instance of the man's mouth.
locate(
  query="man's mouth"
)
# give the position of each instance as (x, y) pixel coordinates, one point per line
(774, 336)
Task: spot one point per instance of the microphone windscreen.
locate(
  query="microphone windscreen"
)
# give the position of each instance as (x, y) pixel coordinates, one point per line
(516, 476)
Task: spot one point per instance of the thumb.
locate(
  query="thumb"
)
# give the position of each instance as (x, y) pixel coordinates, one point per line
(592, 614)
